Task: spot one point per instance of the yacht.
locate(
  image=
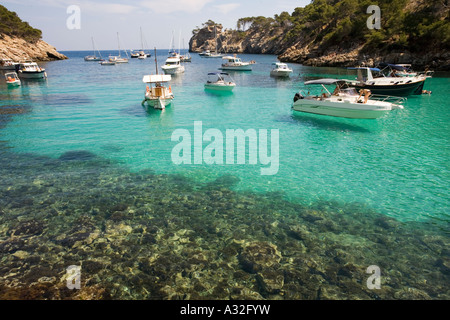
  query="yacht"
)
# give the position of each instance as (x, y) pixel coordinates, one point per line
(345, 101)
(173, 66)
(8, 64)
(30, 70)
(220, 81)
(388, 85)
(280, 70)
(236, 64)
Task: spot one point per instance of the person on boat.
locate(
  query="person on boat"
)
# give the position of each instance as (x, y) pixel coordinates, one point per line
(366, 94)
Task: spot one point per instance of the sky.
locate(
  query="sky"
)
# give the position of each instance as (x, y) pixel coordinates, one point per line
(160, 20)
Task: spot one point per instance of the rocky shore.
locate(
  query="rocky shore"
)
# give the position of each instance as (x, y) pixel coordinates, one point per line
(19, 49)
(269, 41)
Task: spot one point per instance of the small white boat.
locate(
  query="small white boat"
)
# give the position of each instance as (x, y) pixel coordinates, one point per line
(157, 95)
(218, 81)
(205, 53)
(173, 66)
(345, 102)
(280, 70)
(12, 79)
(8, 64)
(30, 70)
(236, 64)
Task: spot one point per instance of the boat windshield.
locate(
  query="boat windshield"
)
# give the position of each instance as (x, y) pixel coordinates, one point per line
(348, 92)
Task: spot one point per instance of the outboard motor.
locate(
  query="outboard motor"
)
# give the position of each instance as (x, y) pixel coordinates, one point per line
(298, 96)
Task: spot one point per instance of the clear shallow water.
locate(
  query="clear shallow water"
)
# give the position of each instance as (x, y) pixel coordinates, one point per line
(87, 179)
(397, 165)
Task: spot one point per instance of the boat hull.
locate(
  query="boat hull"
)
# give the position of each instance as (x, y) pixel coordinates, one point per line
(13, 84)
(223, 88)
(237, 68)
(280, 73)
(32, 74)
(414, 88)
(159, 104)
(343, 110)
(173, 71)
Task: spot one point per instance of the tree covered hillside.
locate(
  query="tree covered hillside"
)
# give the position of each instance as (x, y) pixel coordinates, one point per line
(12, 25)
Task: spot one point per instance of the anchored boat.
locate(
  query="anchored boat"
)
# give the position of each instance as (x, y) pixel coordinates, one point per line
(388, 85)
(236, 64)
(30, 70)
(12, 79)
(221, 82)
(157, 95)
(280, 70)
(345, 101)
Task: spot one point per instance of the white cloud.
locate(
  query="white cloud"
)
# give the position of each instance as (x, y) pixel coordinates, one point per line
(169, 6)
(226, 8)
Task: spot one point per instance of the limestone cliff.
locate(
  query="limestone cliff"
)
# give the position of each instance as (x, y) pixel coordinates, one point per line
(19, 41)
(19, 49)
(335, 33)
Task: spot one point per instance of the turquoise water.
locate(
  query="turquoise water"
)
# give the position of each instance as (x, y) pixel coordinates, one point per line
(356, 170)
(397, 165)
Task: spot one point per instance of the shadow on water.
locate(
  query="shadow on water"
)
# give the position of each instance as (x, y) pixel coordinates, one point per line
(326, 123)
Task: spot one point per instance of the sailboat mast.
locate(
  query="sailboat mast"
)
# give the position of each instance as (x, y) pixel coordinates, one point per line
(156, 62)
(118, 41)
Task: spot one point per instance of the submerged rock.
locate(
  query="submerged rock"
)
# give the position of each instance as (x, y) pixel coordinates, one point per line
(81, 155)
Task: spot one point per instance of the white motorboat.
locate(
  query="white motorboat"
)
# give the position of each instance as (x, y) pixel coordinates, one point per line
(173, 66)
(345, 102)
(204, 53)
(94, 57)
(8, 64)
(280, 70)
(12, 79)
(236, 64)
(219, 81)
(157, 95)
(30, 70)
(387, 85)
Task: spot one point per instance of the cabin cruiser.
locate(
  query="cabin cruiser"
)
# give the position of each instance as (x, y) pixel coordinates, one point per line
(388, 85)
(220, 81)
(173, 66)
(7, 64)
(12, 79)
(236, 64)
(280, 70)
(345, 101)
(157, 94)
(30, 70)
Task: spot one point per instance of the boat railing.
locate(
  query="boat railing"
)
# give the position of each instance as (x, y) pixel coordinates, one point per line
(391, 99)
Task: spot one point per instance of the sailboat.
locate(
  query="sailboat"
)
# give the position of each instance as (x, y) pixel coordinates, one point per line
(119, 59)
(93, 57)
(185, 57)
(213, 54)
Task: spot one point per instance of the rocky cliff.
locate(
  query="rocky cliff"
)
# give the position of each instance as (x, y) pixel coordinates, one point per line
(335, 33)
(19, 41)
(19, 49)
